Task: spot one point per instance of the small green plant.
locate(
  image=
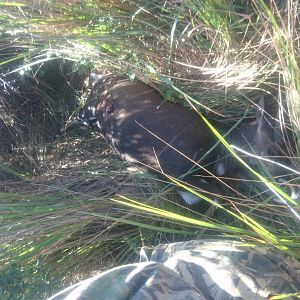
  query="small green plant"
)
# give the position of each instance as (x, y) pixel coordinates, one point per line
(30, 282)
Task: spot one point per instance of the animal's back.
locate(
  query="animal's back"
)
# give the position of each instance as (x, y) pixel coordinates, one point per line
(144, 128)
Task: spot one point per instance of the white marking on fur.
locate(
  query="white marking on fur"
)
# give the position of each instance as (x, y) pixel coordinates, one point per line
(98, 124)
(188, 197)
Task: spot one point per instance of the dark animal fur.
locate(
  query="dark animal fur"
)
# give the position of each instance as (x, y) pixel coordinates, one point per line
(166, 137)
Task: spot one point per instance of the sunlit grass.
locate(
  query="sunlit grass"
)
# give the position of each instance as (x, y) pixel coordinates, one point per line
(214, 57)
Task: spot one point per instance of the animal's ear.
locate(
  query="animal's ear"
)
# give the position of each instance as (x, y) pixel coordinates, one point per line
(278, 134)
(260, 112)
(281, 132)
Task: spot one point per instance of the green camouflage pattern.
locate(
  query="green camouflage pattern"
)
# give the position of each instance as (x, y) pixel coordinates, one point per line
(204, 269)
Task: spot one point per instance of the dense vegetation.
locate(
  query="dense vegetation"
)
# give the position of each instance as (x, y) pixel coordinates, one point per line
(62, 216)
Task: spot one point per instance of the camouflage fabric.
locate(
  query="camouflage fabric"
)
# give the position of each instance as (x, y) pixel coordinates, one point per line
(204, 269)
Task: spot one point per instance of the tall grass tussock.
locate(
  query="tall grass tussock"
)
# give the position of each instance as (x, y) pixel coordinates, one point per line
(69, 206)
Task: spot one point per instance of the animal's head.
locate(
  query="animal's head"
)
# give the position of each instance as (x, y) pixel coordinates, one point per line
(264, 142)
(268, 143)
(87, 115)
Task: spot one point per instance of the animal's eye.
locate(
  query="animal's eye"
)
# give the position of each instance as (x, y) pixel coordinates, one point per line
(270, 151)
